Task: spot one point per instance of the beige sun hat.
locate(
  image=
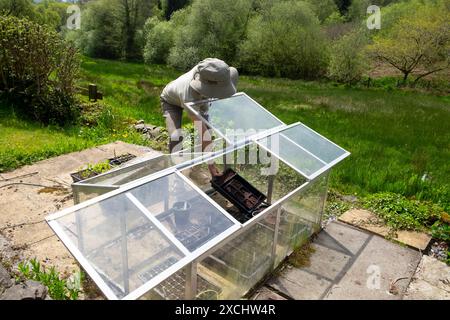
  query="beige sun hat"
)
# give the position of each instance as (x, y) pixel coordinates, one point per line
(215, 79)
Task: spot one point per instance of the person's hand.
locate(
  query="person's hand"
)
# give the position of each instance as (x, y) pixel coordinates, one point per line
(214, 171)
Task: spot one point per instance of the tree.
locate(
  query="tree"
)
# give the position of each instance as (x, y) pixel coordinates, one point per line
(358, 8)
(347, 58)
(18, 8)
(285, 40)
(323, 8)
(100, 35)
(113, 29)
(158, 40)
(417, 43)
(208, 32)
(170, 6)
(343, 5)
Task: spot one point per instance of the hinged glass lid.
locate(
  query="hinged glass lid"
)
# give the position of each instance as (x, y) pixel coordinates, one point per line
(235, 118)
(304, 149)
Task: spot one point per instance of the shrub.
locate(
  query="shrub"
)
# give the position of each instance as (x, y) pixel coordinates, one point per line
(208, 32)
(347, 58)
(100, 35)
(324, 8)
(38, 71)
(285, 40)
(158, 40)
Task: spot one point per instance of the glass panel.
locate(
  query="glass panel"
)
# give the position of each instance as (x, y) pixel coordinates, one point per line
(191, 218)
(270, 177)
(300, 217)
(303, 149)
(242, 263)
(174, 288)
(237, 117)
(122, 244)
(314, 143)
(290, 152)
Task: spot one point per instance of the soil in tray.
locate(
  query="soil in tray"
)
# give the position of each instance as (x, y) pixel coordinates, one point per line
(238, 191)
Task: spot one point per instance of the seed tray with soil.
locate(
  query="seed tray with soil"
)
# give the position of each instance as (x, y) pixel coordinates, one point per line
(90, 173)
(239, 192)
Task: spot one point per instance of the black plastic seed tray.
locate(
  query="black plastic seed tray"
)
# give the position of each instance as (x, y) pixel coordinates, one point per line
(239, 192)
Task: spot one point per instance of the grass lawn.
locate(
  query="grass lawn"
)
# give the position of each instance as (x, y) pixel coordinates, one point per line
(400, 140)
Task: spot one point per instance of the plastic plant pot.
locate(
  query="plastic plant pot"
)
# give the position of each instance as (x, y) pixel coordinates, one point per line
(182, 212)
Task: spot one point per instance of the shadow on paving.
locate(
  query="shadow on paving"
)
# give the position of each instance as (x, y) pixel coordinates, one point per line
(347, 264)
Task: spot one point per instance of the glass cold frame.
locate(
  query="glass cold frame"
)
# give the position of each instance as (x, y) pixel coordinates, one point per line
(138, 239)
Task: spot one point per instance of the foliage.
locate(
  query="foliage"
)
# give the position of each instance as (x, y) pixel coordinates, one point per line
(335, 205)
(208, 32)
(113, 28)
(38, 71)
(417, 41)
(285, 41)
(47, 12)
(324, 8)
(17, 8)
(95, 169)
(358, 8)
(441, 231)
(170, 6)
(159, 40)
(402, 213)
(58, 288)
(348, 61)
(99, 35)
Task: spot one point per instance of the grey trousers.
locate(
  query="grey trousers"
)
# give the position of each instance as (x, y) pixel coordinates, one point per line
(174, 116)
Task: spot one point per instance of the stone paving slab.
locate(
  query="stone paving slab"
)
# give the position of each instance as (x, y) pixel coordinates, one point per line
(422, 290)
(266, 294)
(435, 272)
(381, 271)
(431, 281)
(349, 264)
(23, 208)
(343, 238)
(369, 221)
(299, 284)
(326, 262)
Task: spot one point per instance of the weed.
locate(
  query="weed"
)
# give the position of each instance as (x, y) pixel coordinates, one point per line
(58, 288)
(301, 257)
(441, 231)
(402, 213)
